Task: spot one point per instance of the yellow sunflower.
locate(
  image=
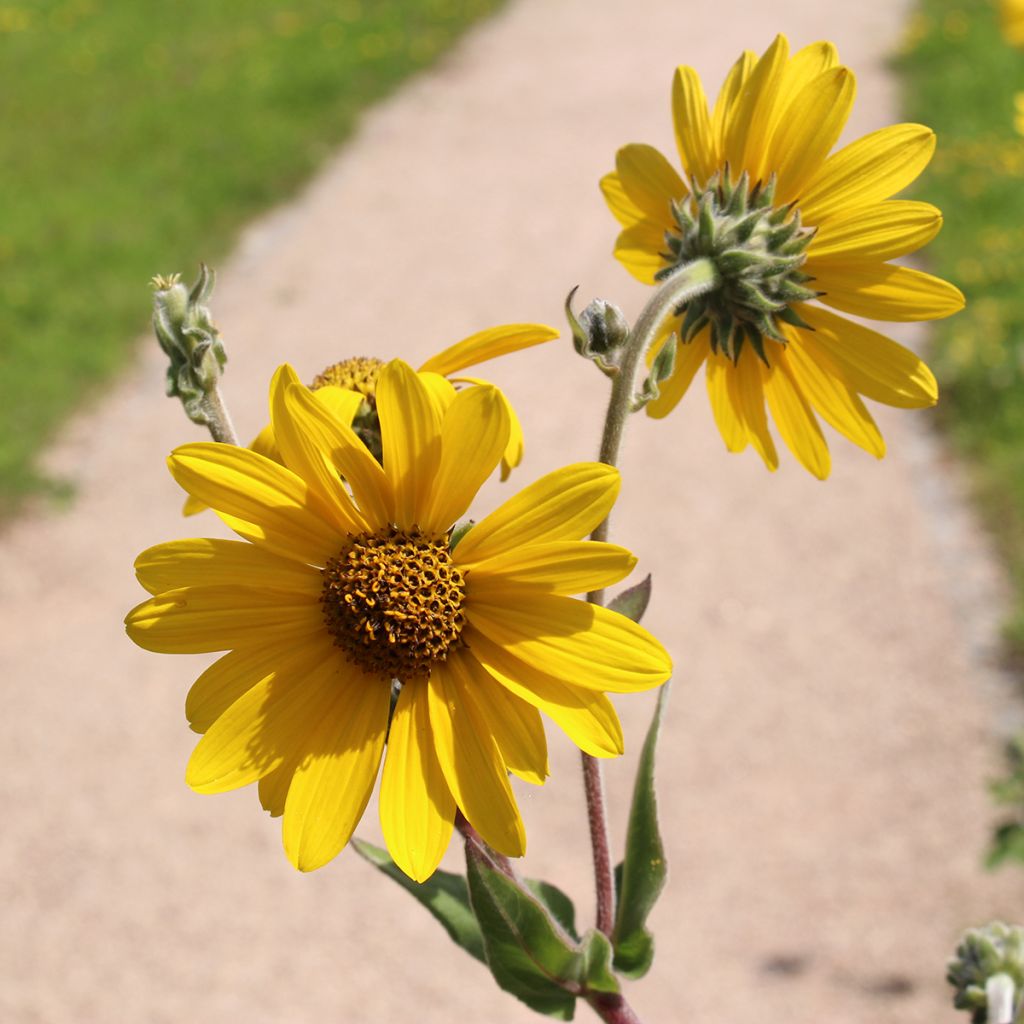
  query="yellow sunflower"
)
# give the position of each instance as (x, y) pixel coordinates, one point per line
(790, 229)
(337, 589)
(348, 389)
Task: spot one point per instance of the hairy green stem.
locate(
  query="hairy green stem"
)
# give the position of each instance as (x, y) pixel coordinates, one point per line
(218, 418)
(682, 286)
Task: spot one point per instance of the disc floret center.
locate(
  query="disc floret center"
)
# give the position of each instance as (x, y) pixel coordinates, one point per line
(757, 248)
(392, 601)
(359, 373)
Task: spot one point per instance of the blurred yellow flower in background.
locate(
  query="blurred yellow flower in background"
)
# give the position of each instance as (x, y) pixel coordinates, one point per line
(785, 224)
(1011, 17)
(346, 580)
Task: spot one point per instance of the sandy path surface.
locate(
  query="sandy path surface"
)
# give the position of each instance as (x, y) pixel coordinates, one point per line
(823, 764)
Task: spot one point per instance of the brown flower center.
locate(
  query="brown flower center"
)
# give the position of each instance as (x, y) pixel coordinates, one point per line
(357, 374)
(392, 601)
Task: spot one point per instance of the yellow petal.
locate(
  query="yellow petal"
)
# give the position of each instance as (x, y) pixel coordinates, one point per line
(808, 129)
(341, 403)
(639, 249)
(625, 211)
(199, 620)
(871, 364)
(202, 561)
(513, 453)
(746, 134)
(694, 137)
(333, 782)
(268, 723)
(440, 390)
(192, 506)
(585, 716)
(470, 760)
(350, 457)
(562, 567)
(730, 92)
(833, 399)
(473, 436)
(747, 393)
(564, 505)
(650, 181)
(417, 809)
(515, 725)
(308, 459)
(690, 357)
(882, 291)
(728, 419)
(235, 481)
(867, 171)
(795, 418)
(877, 233)
(803, 67)
(411, 439)
(489, 344)
(273, 787)
(584, 644)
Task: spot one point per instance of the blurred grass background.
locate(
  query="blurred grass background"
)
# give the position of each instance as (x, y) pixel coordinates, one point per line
(961, 77)
(138, 137)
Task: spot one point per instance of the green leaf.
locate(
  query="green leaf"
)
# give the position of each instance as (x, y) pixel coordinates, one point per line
(443, 894)
(528, 956)
(560, 906)
(633, 601)
(597, 956)
(643, 869)
(1007, 845)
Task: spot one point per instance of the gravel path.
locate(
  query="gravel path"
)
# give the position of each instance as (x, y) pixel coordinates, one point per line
(823, 764)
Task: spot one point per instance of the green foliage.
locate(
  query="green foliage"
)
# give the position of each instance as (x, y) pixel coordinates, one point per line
(633, 601)
(1008, 837)
(961, 79)
(641, 875)
(138, 137)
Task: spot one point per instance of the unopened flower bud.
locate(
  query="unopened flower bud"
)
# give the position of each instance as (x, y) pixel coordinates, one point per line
(599, 333)
(989, 963)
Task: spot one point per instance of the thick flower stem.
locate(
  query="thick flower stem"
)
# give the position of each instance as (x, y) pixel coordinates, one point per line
(218, 419)
(612, 1009)
(685, 284)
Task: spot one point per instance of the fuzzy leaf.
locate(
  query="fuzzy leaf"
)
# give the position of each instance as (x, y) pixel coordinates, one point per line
(633, 601)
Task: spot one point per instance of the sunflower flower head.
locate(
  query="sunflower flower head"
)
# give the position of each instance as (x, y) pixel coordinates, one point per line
(357, 374)
(793, 231)
(346, 586)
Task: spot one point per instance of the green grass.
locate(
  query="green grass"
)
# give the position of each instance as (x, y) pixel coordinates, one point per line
(137, 138)
(961, 78)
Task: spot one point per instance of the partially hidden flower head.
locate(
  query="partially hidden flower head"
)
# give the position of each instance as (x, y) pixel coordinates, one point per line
(795, 232)
(349, 388)
(1011, 16)
(346, 587)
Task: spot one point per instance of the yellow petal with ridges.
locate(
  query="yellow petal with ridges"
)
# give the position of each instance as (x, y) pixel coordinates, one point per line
(881, 291)
(267, 724)
(692, 123)
(639, 249)
(489, 344)
(273, 787)
(803, 67)
(341, 403)
(650, 181)
(834, 401)
(625, 211)
(515, 725)
(411, 439)
(795, 419)
(867, 171)
(753, 114)
(728, 95)
(587, 717)
(202, 561)
(562, 567)
(333, 782)
(247, 486)
(808, 129)
(469, 758)
(728, 419)
(417, 809)
(563, 505)
(690, 357)
(473, 437)
(200, 620)
(350, 457)
(872, 364)
(585, 644)
(513, 453)
(747, 393)
(882, 232)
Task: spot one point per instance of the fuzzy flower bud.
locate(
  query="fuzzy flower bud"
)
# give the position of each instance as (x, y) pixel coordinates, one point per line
(988, 972)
